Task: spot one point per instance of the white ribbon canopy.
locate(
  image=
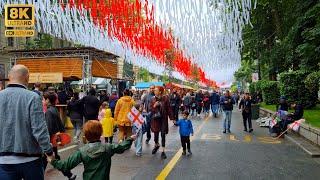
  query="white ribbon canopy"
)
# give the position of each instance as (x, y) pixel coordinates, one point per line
(208, 31)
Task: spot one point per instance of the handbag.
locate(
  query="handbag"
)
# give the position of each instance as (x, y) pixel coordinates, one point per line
(157, 115)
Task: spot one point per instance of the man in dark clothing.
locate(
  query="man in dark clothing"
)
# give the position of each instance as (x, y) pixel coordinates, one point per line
(215, 99)
(104, 97)
(113, 101)
(148, 109)
(245, 106)
(175, 102)
(91, 105)
(298, 111)
(199, 101)
(227, 102)
(62, 96)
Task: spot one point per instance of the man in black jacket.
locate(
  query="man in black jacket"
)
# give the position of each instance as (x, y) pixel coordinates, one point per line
(91, 105)
(245, 106)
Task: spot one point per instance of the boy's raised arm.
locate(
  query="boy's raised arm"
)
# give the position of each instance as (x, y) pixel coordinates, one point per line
(120, 148)
(67, 164)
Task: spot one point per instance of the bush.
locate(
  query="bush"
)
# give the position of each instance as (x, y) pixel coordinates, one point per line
(312, 81)
(292, 85)
(252, 88)
(270, 92)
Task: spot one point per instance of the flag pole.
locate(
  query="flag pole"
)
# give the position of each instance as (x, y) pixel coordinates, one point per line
(282, 133)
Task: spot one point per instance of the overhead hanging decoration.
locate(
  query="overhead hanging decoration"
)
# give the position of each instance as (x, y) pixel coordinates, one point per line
(204, 35)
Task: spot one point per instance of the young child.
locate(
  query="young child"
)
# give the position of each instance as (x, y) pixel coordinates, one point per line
(95, 156)
(185, 129)
(55, 126)
(107, 125)
(139, 132)
(102, 110)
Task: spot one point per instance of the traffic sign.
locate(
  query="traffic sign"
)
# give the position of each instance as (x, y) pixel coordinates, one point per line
(19, 33)
(19, 15)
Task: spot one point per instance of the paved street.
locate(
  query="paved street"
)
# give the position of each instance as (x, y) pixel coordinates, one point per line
(238, 155)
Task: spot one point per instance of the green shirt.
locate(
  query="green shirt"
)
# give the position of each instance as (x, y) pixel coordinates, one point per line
(96, 158)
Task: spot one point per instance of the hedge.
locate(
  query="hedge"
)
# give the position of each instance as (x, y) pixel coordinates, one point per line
(292, 85)
(252, 88)
(270, 92)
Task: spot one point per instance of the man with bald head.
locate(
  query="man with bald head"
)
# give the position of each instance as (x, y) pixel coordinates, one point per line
(24, 135)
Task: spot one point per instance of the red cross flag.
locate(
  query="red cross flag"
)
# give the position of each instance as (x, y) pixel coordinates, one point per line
(136, 118)
(295, 125)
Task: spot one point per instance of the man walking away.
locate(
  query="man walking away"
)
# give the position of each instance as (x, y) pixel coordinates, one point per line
(227, 102)
(91, 105)
(24, 136)
(148, 109)
(245, 106)
(215, 98)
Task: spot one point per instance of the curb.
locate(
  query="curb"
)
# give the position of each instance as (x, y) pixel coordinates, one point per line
(313, 154)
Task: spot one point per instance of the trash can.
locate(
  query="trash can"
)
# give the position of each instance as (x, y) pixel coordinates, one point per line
(255, 111)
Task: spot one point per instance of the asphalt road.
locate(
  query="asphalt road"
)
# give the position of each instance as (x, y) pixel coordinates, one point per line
(239, 155)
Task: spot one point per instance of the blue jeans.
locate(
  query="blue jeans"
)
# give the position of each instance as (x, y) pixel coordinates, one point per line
(227, 120)
(215, 108)
(33, 170)
(77, 124)
(138, 141)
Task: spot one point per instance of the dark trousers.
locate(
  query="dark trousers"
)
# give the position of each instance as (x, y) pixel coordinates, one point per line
(28, 171)
(247, 117)
(176, 112)
(163, 138)
(185, 142)
(112, 111)
(199, 108)
(108, 139)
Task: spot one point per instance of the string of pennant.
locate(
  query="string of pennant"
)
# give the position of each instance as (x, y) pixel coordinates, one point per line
(199, 39)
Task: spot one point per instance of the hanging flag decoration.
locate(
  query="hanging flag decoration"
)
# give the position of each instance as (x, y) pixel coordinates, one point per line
(202, 35)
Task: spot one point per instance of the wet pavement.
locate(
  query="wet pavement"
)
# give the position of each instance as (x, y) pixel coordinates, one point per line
(239, 155)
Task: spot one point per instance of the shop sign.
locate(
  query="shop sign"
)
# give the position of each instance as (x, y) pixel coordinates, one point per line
(45, 78)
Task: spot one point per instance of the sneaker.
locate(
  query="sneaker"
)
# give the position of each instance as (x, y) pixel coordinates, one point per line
(229, 131)
(73, 177)
(245, 130)
(155, 149)
(224, 131)
(184, 153)
(138, 154)
(147, 141)
(189, 151)
(163, 155)
(250, 130)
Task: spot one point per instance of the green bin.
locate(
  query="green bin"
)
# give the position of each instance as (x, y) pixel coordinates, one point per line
(255, 111)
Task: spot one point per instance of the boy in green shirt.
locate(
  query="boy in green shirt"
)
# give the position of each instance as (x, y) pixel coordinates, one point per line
(95, 156)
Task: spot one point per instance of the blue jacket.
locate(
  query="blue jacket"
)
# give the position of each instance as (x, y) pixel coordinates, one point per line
(185, 127)
(23, 126)
(215, 98)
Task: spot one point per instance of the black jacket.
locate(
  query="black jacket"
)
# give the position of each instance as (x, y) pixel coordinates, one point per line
(91, 106)
(75, 108)
(245, 105)
(53, 120)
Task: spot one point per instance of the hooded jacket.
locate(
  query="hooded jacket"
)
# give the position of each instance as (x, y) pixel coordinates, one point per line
(107, 124)
(96, 158)
(123, 107)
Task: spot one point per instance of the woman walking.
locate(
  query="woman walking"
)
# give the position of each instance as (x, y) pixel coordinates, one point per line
(159, 123)
(75, 108)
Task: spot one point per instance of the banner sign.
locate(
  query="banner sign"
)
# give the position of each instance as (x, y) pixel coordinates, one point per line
(45, 78)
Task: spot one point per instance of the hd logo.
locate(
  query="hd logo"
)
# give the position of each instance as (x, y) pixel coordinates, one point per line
(17, 15)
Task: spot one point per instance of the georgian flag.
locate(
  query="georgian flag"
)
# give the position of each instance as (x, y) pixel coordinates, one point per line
(136, 118)
(295, 125)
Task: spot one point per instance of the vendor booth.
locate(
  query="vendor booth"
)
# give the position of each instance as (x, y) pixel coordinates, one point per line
(56, 66)
(146, 85)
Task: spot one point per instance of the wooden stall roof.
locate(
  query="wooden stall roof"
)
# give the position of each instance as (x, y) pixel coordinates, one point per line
(68, 61)
(69, 67)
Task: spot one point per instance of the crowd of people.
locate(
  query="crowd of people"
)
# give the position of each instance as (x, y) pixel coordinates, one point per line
(34, 118)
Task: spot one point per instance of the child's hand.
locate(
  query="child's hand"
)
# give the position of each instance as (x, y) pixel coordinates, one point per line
(50, 158)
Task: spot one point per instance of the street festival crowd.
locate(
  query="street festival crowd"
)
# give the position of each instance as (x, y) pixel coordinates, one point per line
(30, 122)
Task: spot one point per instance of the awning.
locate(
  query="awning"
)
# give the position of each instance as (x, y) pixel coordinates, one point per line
(146, 85)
